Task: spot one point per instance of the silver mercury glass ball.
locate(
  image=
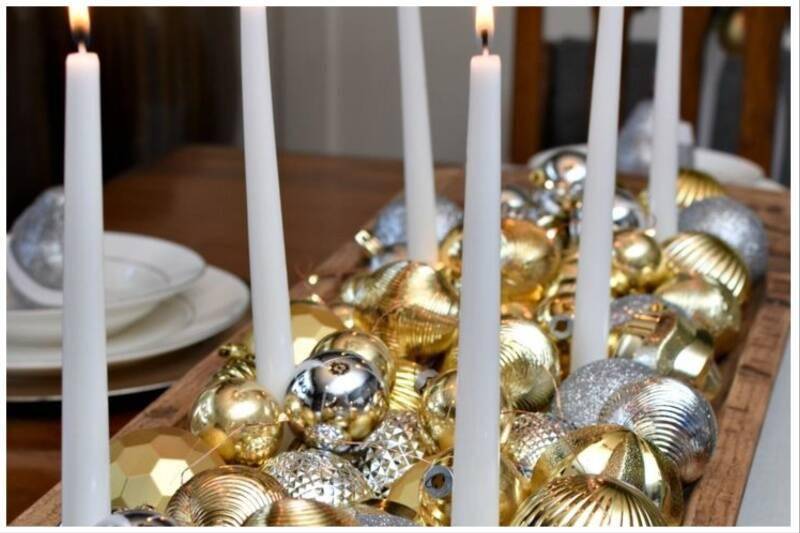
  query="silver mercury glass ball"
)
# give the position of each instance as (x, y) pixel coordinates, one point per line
(583, 393)
(390, 222)
(676, 418)
(137, 517)
(335, 400)
(526, 435)
(735, 224)
(565, 173)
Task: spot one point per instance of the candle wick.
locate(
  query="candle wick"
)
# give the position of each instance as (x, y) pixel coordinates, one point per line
(82, 47)
(485, 41)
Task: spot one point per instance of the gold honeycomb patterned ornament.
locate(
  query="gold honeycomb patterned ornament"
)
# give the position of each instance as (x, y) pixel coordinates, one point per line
(300, 513)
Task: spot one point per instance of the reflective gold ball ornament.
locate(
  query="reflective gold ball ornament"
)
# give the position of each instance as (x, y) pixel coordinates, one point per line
(438, 409)
(294, 512)
(240, 419)
(637, 262)
(149, 465)
(367, 346)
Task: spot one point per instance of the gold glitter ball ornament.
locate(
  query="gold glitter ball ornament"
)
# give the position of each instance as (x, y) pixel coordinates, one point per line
(587, 501)
(240, 419)
(615, 452)
(149, 465)
(367, 346)
(709, 304)
(637, 262)
(525, 436)
(300, 513)
(224, 496)
(410, 380)
(319, 475)
(409, 305)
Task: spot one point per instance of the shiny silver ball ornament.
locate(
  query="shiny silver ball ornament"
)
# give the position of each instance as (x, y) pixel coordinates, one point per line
(734, 224)
(626, 213)
(564, 174)
(390, 222)
(137, 517)
(676, 418)
(585, 391)
(335, 400)
(516, 203)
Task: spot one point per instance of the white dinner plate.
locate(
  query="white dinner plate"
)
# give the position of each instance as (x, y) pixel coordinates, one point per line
(217, 300)
(140, 272)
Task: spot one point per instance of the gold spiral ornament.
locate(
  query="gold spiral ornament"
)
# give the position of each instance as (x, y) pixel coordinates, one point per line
(224, 496)
(587, 501)
(300, 513)
(409, 382)
(702, 254)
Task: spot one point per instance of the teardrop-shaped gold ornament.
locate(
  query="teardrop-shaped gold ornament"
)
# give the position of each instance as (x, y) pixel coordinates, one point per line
(300, 513)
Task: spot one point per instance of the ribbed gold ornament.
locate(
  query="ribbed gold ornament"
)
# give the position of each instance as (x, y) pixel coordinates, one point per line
(410, 379)
(300, 513)
(693, 186)
(367, 346)
(224, 496)
(587, 501)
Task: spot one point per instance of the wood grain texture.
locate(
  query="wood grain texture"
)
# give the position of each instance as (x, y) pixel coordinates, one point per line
(530, 84)
(748, 372)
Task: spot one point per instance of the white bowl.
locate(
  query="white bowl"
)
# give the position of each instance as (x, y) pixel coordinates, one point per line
(140, 272)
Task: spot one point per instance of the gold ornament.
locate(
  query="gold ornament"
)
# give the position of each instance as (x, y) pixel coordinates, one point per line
(408, 305)
(555, 315)
(670, 344)
(525, 436)
(405, 490)
(636, 262)
(239, 418)
(694, 186)
(438, 409)
(615, 452)
(410, 380)
(529, 365)
(345, 312)
(703, 254)
(149, 465)
(587, 501)
(224, 496)
(300, 513)
(436, 486)
(709, 304)
(367, 346)
(528, 259)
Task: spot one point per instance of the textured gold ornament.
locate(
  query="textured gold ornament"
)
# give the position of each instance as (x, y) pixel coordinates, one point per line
(438, 409)
(224, 496)
(670, 344)
(615, 452)
(694, 186)
(587, 501)
(555, 315)
(636, 262)
(239, 364)
(367, 346)
(709, 304)
(436, 486)
(702, 254)
(408, 305)
(300, 513)
(525, 436)
(529, 365)
(149, 465)
(239, 418)
(528, 259)
(410, 381)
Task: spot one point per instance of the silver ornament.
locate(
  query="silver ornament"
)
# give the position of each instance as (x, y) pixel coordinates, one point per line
(527, 435)
(334, 400)
(673, 416)
(622, 310)
(368, 515)
(733, 223)
(626, 213)
(137, 517)
(319, 475)
(516, 203)
(396, 445)
(582, 395)
(564, 173)
(390, 222)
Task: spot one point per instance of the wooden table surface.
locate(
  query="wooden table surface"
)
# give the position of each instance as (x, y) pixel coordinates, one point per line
(195, 196)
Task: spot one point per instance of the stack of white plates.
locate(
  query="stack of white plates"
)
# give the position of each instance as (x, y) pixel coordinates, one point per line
(160, 297)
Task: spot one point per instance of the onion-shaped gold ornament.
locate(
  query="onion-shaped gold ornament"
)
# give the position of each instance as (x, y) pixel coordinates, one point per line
(694, 186)
(528, 259)
(435, 490)
(709, 304)
(529, 365)
(410, 380)
(438, 409)
(587, 501)
(702, 254)
(636, 259)
(669, 343)
(224, 496)
(672, 416)
(615, 452)
(319, 475)
(240, 419)
(408, 305)
(525, 436)
(367, 346)
(300, 513)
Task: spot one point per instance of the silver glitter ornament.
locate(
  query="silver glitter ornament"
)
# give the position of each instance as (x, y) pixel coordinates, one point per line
(390, 222)
(582, 395)
(733, 223)
(319, 475)
(396, 445)
(368, 515)
(527, 435)
(673, 416)
(137, 517)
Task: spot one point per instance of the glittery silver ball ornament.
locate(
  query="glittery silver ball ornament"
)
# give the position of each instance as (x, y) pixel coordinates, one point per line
(137, 517)
(582, 395)
(396, 445)
(527, 435)
(733, 223)
(319, 475)
(390, 222)
(335, 400)
(671, 415)
(368, 515)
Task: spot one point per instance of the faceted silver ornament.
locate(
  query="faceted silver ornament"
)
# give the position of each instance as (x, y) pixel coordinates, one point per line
(583, 393)
(673, 416)
(319, 475)
(527, 435)
(733, 223)
(390, 222)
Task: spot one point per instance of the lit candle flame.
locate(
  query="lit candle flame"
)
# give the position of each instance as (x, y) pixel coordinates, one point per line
(484, 23)
(79, 24)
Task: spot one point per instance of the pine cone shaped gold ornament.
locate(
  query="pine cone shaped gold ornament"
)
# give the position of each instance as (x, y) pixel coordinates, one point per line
(408, 305)
(367, 346)
(300, 513)
(525, 436)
